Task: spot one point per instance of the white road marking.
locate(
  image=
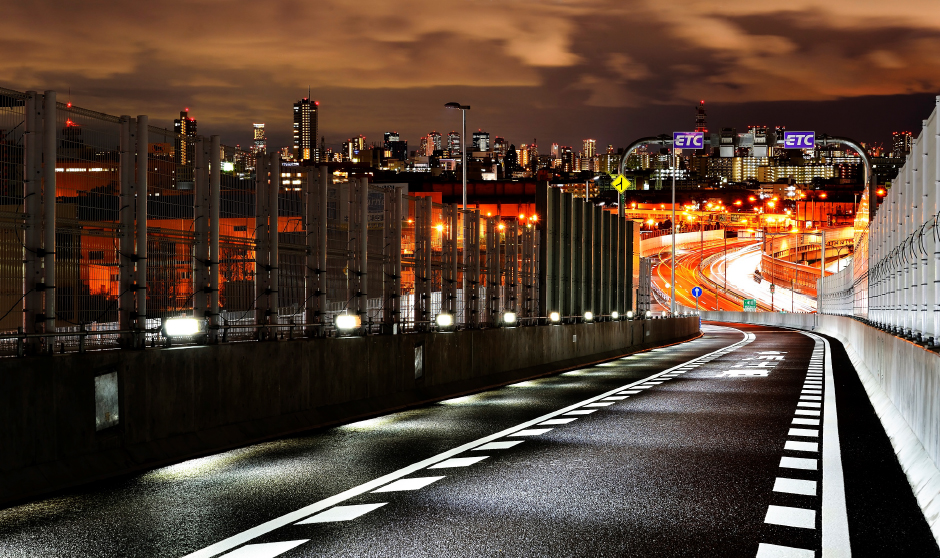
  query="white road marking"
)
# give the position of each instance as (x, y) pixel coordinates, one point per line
(801, 446)
(291, 517)
(341, 513)
(803, 432)
(795, 486)
(266, 550)
(811, 398)
(402, 485)
(799, 463)
(774, 551)
(498, 445)
(581, 412)
(599, 404)
(551, 422)
(810, 422)
(458, 462)
(791, 517)
(809, 404)
(807, 413)
(629, 392)
(615, 398)
(531, 432)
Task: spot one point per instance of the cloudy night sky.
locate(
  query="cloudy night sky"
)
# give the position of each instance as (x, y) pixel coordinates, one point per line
(555, 71)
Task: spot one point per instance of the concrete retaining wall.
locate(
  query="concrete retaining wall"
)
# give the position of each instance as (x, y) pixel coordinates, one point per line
(183, 402)
(903, 383)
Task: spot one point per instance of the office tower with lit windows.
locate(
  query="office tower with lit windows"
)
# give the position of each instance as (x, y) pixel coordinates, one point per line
(700, 123)
(902, 143)
(306, 130)
(260, 144)
(434, 142)
(555, 153)
(453, 143)
(423, 147)
(567, 158)
(394, 147)
(500, 146)
(589, 149)
(185, 154)
(481, 141)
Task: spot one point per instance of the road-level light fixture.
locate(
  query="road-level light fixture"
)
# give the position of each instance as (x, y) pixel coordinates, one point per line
(589, 316)
(445, 321)
(509, 318)
(555, 317)
(629, 314)
(181, 327)
(347, 323)
(615, 315)
(649, 314)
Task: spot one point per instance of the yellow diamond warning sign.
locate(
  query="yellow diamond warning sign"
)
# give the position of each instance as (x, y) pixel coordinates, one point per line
(619, 182)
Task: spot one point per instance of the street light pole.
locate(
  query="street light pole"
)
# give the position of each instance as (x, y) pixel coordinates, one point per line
(672, 285)
(463, 164)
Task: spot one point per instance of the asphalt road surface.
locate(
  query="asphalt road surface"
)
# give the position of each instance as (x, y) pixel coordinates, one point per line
(749, 441)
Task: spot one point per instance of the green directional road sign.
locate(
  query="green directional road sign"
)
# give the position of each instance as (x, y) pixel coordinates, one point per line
(750, 305)
(619, 182)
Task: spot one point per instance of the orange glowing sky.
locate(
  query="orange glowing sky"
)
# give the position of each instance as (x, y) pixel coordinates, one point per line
(558, 70)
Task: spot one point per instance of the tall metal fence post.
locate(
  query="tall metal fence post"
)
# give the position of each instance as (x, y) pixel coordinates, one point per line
(512, 266)
(126, 215)
(49, 199)
(587, 261)
(362, 270)
(311, 259)
(32, 185)
(200, 230)
(143, 153)
(392, 280)
(262, 248)
(215, 210)
(598, 262)
(472, 297)
(545, 228)
(273, 240)
(428, 260)
(322, 237)
(605, 262)
(935, 192)
(455, 258)
(577, 258)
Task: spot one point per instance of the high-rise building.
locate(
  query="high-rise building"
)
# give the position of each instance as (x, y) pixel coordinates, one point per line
(700, 124)
(453, 143)
(185, 154)
(306, 130)
(589, 148)
(567, 158)
(260, 140)
(434, 142)
(481, 141)
(902, 143)
(352, 147)
(395, 148)
(556, 154)
(533, 157)
(423, 147)
(500, 146)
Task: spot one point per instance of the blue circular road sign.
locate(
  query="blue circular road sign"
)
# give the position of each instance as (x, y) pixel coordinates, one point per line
(696, 291)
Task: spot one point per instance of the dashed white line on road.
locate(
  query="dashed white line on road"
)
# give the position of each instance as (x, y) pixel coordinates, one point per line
(341, 513)
(531, 432)
(402, 485)
(774, 551)
(581, 412)
(265, 550)
(811, 422)
(551, 422)
(795, 486)
(809, 433)
(599, 404)
(801, 446)
(809, 404)
(498, 445)
(799, 463)
(458, 462)
(791, 517)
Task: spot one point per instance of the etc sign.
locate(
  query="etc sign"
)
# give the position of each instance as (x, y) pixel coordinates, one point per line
(688, 140)
(799, 140)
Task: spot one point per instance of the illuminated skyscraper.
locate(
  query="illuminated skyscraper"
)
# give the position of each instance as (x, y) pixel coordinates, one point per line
(902, 143)
(261, 141)
(500, 146)
(434, 142)
(306, 130)
(481, 141)
(556, 154)
(394, 147)
(567, 158)
(423, 147)
(184, 126)
(453, 142)
(589, 148)
(700, 124)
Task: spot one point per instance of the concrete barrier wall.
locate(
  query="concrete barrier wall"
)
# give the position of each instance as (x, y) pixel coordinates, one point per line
(903, 383)
(182, 402)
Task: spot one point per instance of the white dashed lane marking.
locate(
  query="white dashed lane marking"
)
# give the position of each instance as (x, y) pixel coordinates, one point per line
(265, 550)
(795, 486)
(458, 462)
(402, 485)
(531, 432)
(341, 513)
(552, 422)
(776, 551)
(791, 517)
(498, 445)
(799, 463)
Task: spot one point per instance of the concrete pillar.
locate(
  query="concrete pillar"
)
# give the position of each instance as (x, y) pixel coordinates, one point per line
(273, 240)
(577, 258)
(392, 272)
(49, 199)
(311, 201)
(472, 244)
(326, 180)
(363, 250)
(454, 234)
(564, 252)
(200, 252)
(32, 186)
(262, 250)
(143, 162)
(215, 211)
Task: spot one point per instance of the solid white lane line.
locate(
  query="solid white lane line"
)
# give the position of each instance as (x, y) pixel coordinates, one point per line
(581, 412)
(803, 432)
(811, 422)
(799, 463)
(341, 513)
(551, 422)
(531, 432)
(458, 462)
(791, 517)
(795, 486)
(807, 413)
(402, 485)
(498, 445)
(266, 550)
(296, 515)
(765, 550)
(801, 446)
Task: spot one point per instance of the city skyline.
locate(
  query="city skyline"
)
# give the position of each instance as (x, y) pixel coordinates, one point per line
(558, 71)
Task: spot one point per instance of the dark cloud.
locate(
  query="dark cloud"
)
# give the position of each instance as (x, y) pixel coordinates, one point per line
(552, 71)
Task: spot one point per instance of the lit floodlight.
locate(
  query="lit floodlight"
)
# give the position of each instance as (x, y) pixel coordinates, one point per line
(588, 316)
(509, 318)
(445, 321)
(555, 317)
(649, 313)
(629, 314)
(347, 322)
(180, 327)
(615, 315)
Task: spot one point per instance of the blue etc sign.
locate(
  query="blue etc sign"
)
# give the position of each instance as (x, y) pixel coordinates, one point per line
(799, 140)
(688, 140)
(696, 291)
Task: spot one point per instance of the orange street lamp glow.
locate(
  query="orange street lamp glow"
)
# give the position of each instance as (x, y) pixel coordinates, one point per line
(534, 218)
(751, 198)
(737, 202)
(823, 195)
(440, 227)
